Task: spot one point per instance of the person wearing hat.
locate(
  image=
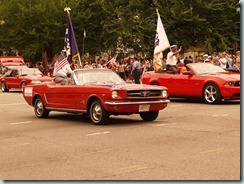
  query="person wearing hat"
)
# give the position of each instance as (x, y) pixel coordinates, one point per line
(205, 58)
(171, 59)
(136, 72)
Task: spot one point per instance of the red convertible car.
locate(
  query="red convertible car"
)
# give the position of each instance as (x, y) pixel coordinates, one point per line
(19, 76)
(98, 93)
(200, 80)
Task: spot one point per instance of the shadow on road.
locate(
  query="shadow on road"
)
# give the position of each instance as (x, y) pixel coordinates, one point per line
(200, 101)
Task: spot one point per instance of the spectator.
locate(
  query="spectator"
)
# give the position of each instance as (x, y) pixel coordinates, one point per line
(237, 64)
(121, 69)
(205, 58)
(222, 60)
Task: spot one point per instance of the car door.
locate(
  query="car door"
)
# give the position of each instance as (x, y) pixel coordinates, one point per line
(70, 97)
(12, 80)
(187, 85)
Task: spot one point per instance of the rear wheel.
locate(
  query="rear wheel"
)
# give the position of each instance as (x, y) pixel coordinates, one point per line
(212, 94)
(98, 114)
(40, 109)
(149, 116)
(4, 87)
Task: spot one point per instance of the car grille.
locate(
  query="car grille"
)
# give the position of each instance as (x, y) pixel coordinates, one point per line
(144, 93)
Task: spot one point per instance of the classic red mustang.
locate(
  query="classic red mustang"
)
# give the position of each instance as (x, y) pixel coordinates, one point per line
(201, 80)
(19, 76)
(99, 93)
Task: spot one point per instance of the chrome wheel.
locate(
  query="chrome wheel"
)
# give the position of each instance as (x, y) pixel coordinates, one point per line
(4, 87)
(39, 108)
(212, 94)
(97, 113)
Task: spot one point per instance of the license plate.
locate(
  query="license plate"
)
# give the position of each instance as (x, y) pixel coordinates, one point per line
(144, 108)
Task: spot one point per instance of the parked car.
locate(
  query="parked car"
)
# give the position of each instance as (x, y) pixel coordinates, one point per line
(17, 77)
(200, 80)
(98, 93)
(6, 61)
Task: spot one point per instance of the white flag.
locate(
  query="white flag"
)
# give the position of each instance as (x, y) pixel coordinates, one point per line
(161, 44)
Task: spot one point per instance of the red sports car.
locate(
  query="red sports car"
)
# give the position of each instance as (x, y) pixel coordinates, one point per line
(200, 80)
(99, 93)
(19, 76)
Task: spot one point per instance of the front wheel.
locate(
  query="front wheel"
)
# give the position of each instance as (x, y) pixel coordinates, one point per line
(212, 94)
(4, 87)
(40, 109)
(149, 116)
(98, 114)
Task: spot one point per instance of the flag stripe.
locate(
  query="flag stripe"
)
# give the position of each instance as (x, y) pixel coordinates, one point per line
(61, 64)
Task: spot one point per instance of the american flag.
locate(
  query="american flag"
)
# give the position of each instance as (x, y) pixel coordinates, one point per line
(112, 60)
(61, 64)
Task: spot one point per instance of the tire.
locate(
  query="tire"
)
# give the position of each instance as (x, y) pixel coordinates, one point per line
(149, 116)
(4, 87)
(39, 108)
(23, 84)
(98, 114)
(211, 94)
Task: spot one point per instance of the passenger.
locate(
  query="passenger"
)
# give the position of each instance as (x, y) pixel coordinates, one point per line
(62, 70)
(172, 60)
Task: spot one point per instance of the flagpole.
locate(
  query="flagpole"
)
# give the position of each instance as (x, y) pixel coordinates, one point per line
(83, 46)
(67, 9)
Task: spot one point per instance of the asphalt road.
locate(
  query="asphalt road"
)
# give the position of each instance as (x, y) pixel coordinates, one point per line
(188, 141)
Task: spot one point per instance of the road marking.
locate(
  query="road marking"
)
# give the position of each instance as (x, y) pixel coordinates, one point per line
(23, 122)
(165, 124)
(210, 151)
(13, 104)
(218, 115)
(98, 133)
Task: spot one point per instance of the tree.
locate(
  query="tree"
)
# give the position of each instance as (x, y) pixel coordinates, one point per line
(36, 26)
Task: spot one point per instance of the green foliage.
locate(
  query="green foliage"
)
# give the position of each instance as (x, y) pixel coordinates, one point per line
(36, 26)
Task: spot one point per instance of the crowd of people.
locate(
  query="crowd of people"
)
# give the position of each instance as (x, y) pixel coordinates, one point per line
(131, 68)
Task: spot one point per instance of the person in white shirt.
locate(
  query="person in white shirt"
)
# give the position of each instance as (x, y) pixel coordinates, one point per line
(62, 74)
(172, 60)
(222, 60)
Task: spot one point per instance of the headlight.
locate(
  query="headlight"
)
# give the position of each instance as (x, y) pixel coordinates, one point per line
(229, 83)
(114, 94)
(164, 93)
(35, 82)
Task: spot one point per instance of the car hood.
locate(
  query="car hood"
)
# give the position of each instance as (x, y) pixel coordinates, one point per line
(229, 77)
(131, 86)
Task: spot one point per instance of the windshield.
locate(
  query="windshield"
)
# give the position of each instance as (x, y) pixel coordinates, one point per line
(30, 71)
(98, 76)
(206, 68)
